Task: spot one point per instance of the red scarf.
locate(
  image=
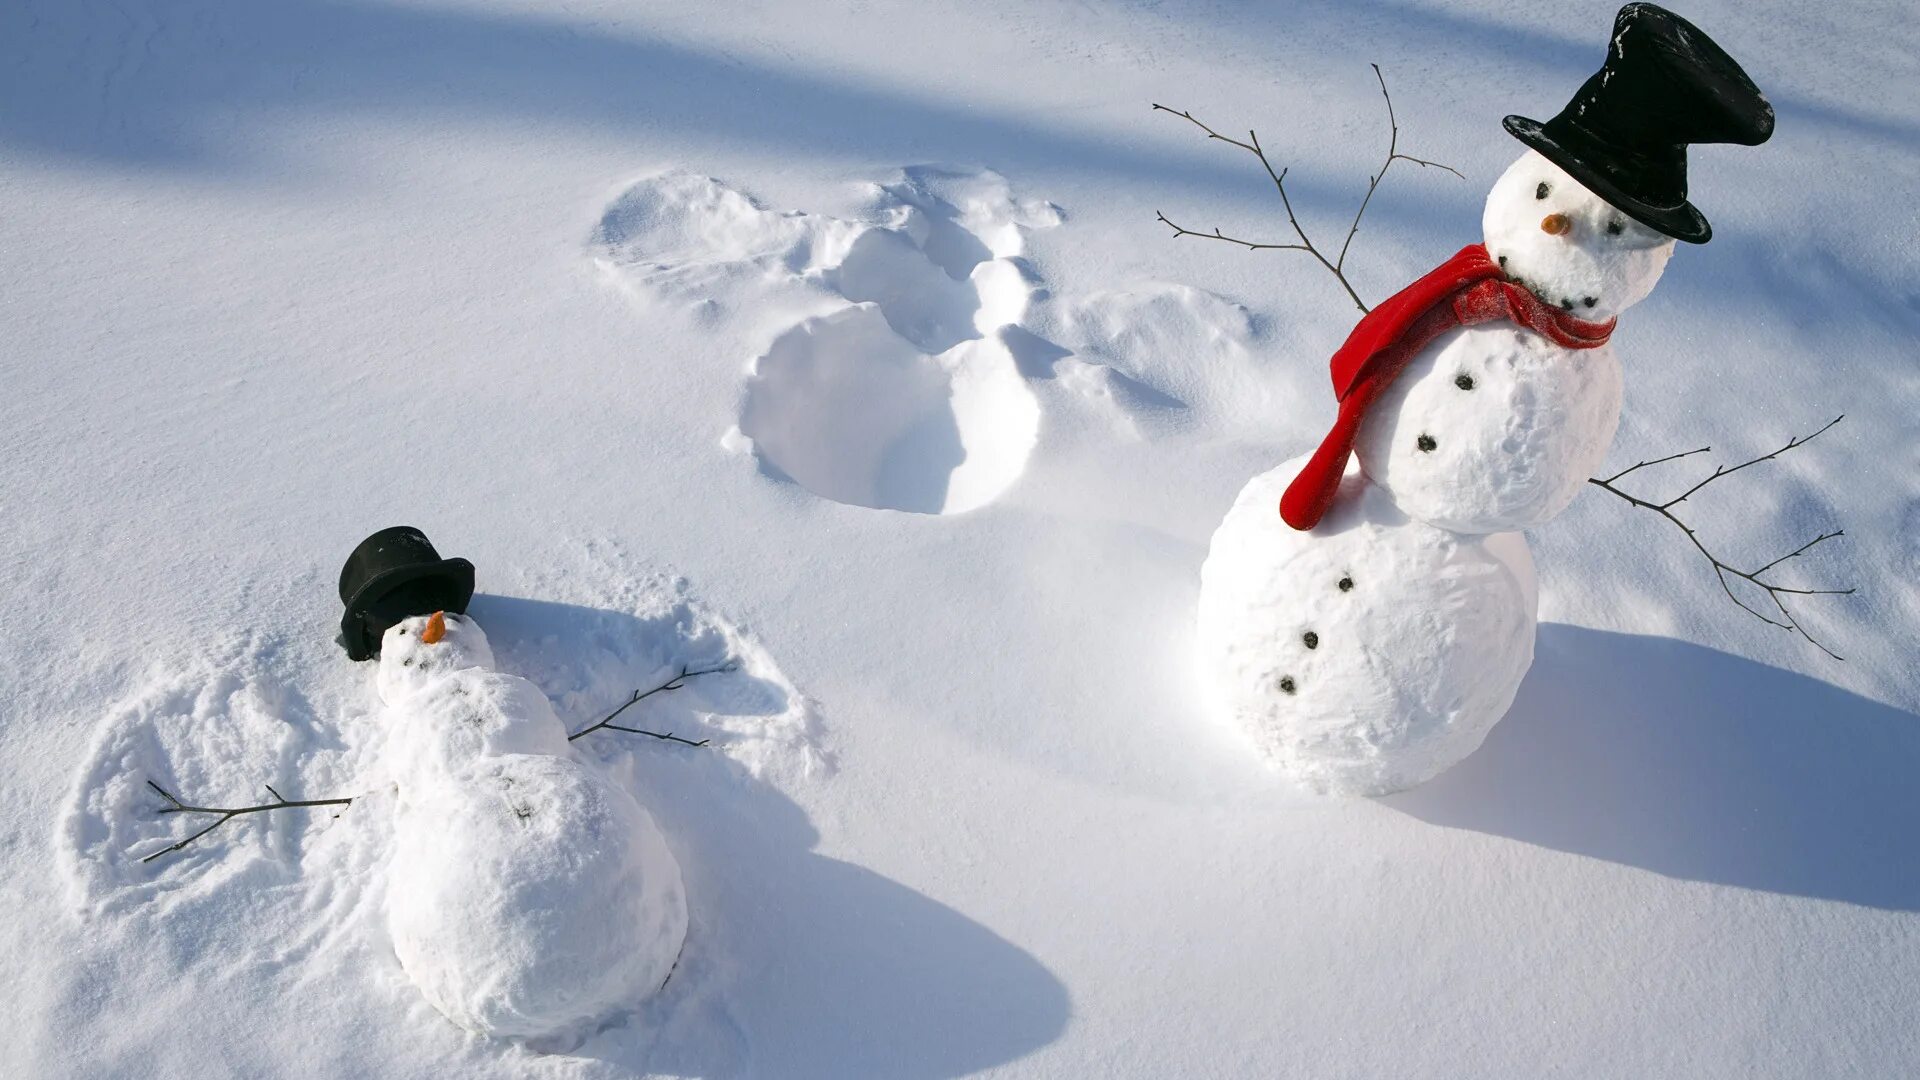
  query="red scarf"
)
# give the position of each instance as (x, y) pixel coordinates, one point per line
(1465, 290)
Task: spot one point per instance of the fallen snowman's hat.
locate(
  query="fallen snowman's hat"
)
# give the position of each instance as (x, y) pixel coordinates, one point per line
(393, 575)
(1665, 85)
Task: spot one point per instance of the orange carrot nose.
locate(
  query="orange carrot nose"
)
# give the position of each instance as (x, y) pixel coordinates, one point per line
(436, 628)
(1556, 224)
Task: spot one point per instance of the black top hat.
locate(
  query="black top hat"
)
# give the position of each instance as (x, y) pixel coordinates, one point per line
(395, 574)
(1625, 134)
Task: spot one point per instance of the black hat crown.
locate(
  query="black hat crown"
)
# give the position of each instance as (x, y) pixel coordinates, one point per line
(393, 575)
(1665, 85)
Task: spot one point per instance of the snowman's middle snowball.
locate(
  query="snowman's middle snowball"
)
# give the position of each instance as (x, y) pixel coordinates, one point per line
(1410, 665)
(1492, 428)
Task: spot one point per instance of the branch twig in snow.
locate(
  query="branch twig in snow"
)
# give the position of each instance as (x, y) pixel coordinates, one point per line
(1336, 266)
(1721, 569)
(226, 814)
(674, 683)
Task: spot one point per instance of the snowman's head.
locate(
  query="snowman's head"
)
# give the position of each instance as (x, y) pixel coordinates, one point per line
(1567, 245)
(417, 650)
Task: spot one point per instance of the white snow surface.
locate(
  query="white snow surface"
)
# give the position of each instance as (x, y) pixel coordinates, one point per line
(528, 895)
(277, 275)
(1370, 653)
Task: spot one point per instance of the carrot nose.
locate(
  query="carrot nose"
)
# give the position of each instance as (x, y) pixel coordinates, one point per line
(436, 628)
(1556, 224)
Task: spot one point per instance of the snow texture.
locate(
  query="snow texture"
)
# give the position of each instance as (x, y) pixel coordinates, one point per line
(277, 275)
(1371, 653)
(906, 398)
(528, 895)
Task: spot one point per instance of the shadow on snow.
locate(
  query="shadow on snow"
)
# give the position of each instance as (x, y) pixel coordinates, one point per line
(826, 969)
(1675, 758)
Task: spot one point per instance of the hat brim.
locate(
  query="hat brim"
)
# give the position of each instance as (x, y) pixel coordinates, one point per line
(455, 574)
(1683, 222)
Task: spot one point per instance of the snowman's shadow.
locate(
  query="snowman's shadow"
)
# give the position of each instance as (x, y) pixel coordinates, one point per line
(1695, 764)
(797, 965)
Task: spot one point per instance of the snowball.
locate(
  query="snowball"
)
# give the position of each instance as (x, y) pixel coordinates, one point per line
(1589, 261)
(1492, 428)
(531, 897)
(407, 664)
(1371, 653)
(467, 715)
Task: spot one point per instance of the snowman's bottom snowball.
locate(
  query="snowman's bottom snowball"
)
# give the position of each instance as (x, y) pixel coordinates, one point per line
(532, 897)
(1367, 655)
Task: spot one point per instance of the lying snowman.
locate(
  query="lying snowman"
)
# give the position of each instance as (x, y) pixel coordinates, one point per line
(528, 896)
(1369, 635)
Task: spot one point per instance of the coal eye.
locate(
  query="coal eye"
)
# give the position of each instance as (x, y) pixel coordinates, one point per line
(403, 631)
(1541, 191)
(1615, 228)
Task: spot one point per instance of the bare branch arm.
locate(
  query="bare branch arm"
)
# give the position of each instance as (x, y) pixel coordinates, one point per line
(1217, 235)
(1279, 178)
(1336, 266)
(1656, 461)
(225, 814)
(1722, 570)
(674, 683)
(1373, 182)
(1720, 472)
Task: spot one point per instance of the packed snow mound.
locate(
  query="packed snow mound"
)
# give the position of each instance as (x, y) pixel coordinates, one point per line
(1492, 428)
(530, 897)
(1371, 653)
(903, 395)
(469, 715)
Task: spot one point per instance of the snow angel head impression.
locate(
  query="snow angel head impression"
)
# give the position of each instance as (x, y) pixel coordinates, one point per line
(417, 650)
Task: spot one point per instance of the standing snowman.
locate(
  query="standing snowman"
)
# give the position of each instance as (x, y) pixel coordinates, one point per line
(528, 895)
(1370, 634)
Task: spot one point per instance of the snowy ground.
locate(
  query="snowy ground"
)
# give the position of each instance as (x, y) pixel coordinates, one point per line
(841, 339)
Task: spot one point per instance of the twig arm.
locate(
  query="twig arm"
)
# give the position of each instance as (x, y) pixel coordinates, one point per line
(1373, 182)
(676, 682)
(1720, 472)
(1336, 266)
(1722, 570)
(224, 814)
